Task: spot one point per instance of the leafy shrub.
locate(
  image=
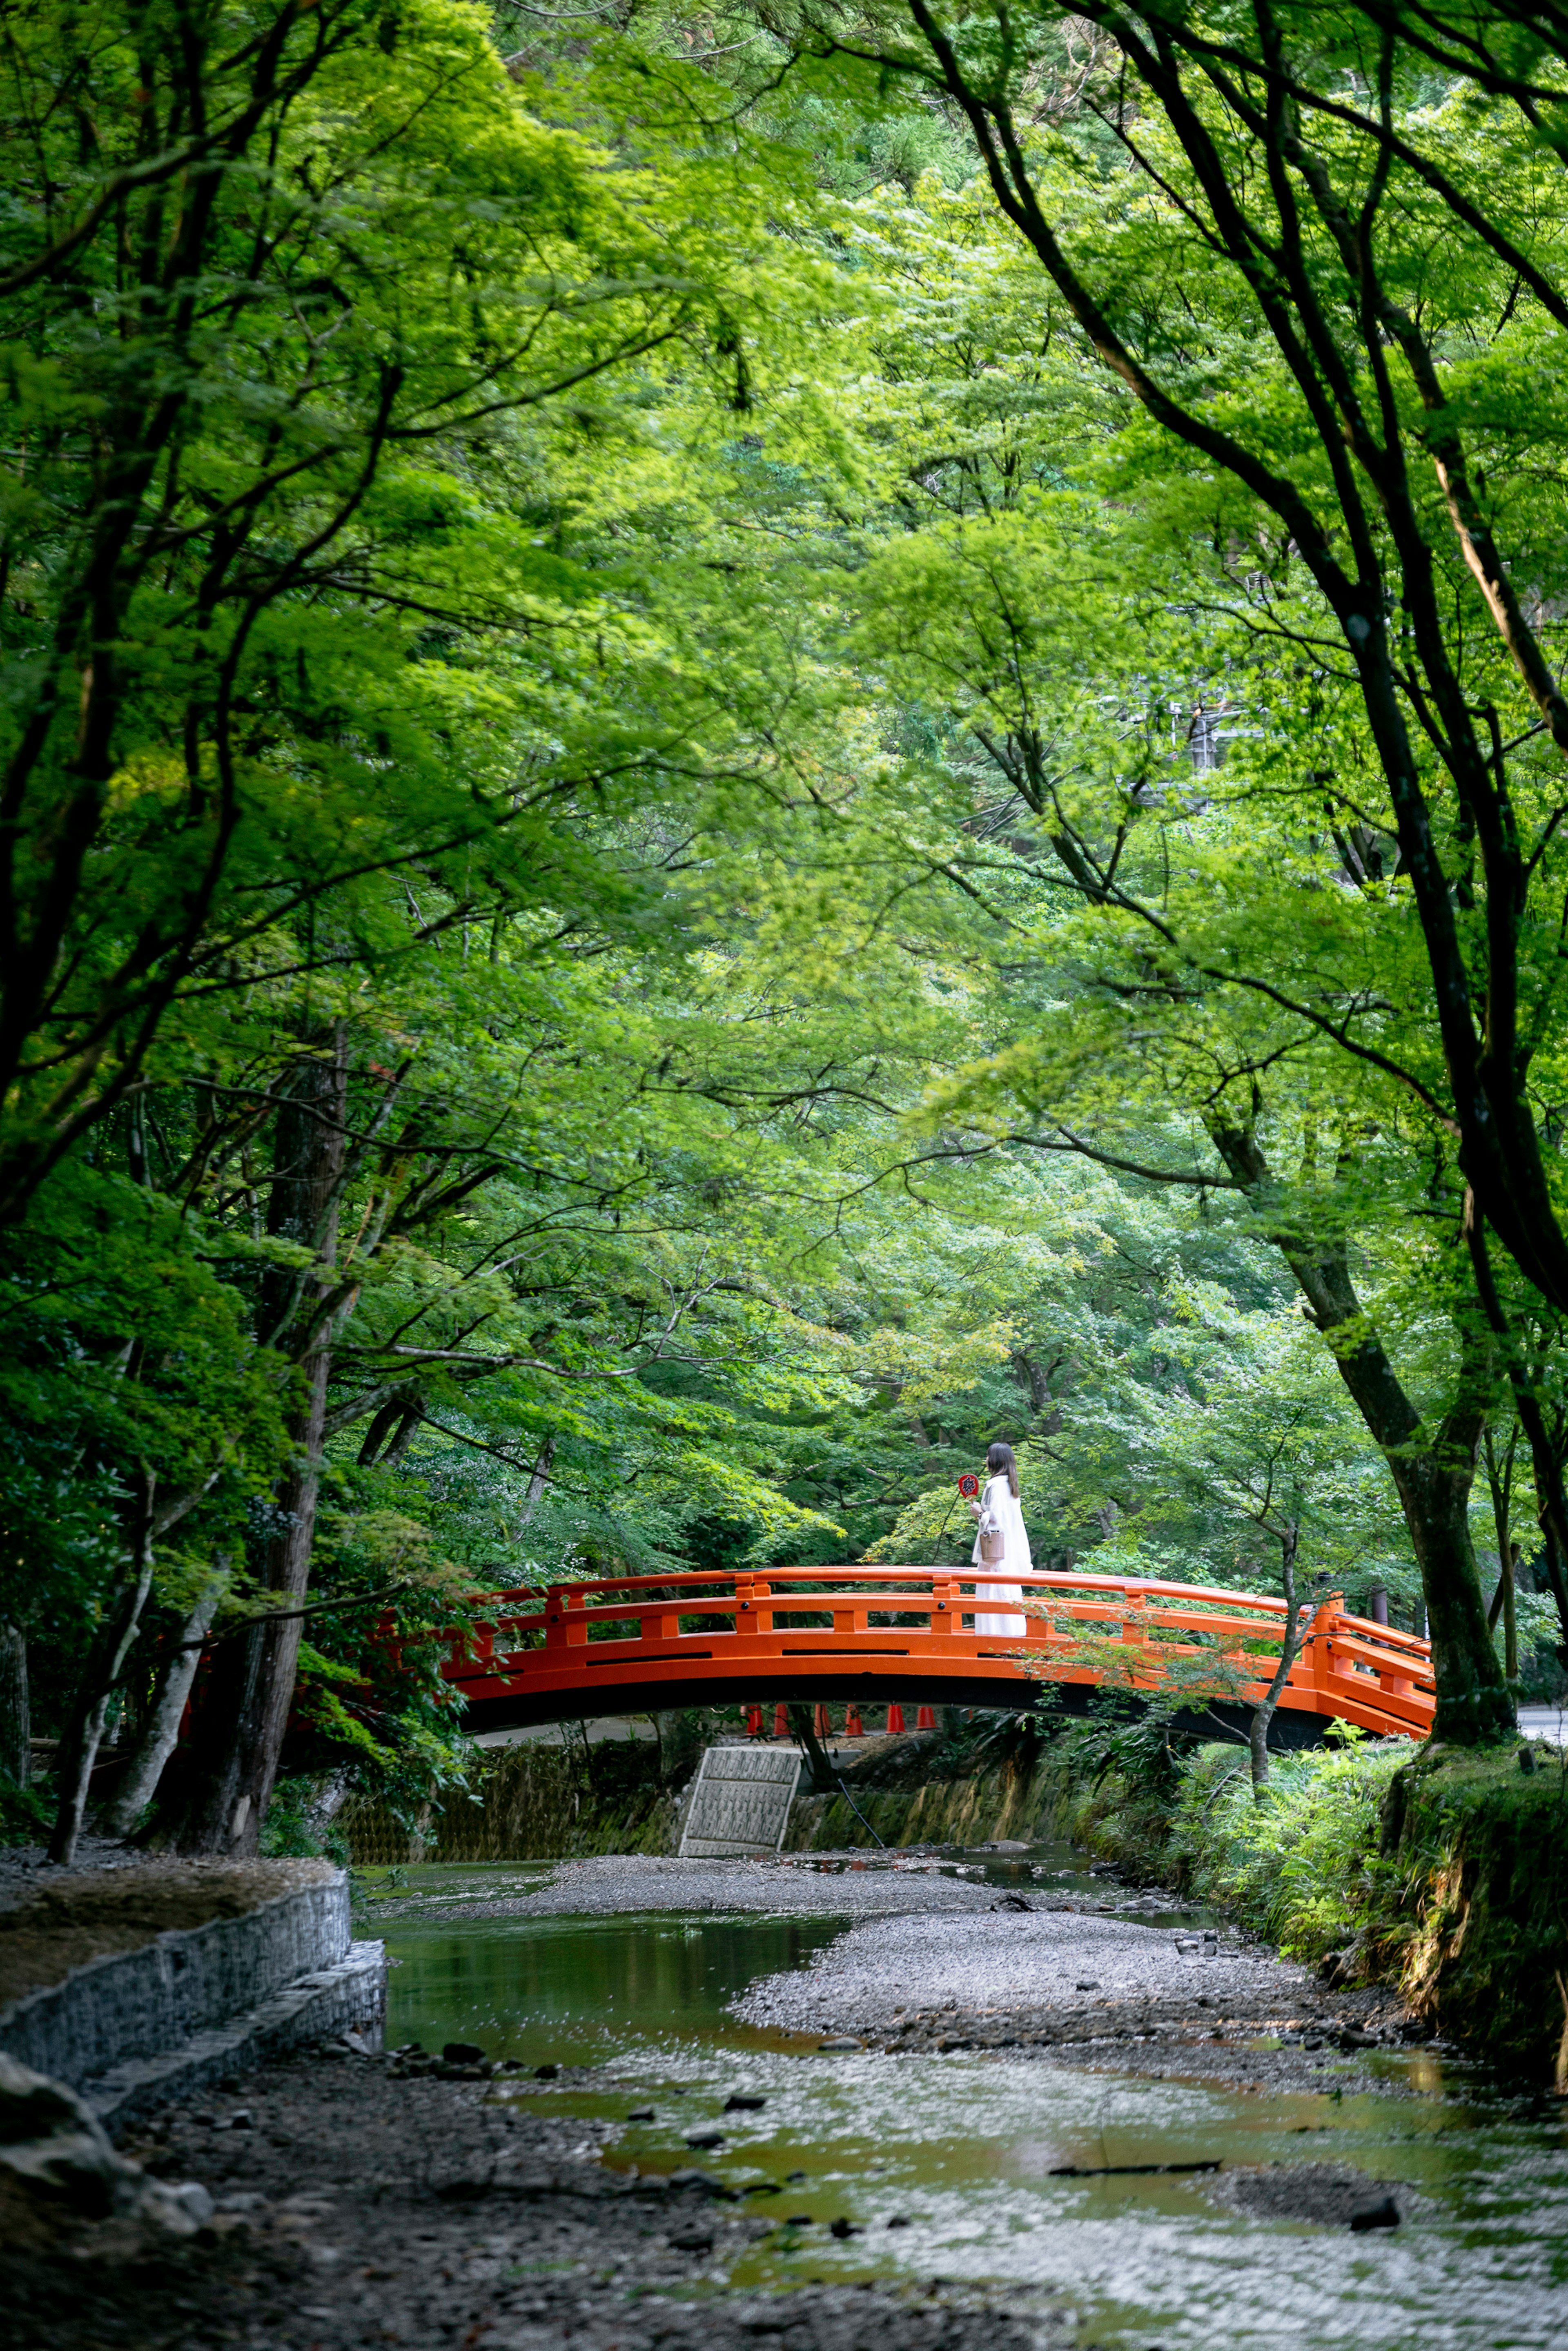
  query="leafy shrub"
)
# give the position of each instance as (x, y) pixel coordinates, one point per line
(1300, 1866)
(296, 1824)
(25, 1814)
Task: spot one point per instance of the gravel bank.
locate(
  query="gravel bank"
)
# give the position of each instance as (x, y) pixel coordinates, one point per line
(1072, 1962)
(851, 1886)
(1078, 1987)
(357, 2205)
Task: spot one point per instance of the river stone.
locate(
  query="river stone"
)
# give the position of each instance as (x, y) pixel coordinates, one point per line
(1334, 2195)
(53, 2147)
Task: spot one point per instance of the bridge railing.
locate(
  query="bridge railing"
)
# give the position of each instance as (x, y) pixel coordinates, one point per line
(1139, 1633)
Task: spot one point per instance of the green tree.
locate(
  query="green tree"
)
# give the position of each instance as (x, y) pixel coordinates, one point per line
(1322, 315)
(285, 284)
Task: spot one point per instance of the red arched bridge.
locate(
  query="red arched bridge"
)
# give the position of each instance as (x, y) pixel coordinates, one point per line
(634, 1644)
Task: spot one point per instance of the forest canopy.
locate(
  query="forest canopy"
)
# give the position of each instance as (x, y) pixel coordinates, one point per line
(741, 748)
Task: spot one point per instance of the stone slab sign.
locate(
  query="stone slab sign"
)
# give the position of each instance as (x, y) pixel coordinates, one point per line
(740, 1802)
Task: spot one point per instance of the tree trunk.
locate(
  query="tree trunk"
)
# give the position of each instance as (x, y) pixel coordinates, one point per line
(161, 1731)
(1289, 1647)
(16, 1716)
(1551, 1500)
(1500, 1479)
(238, 1734)
(540, 1479)
(1433, 1478)
(824, 1776)
(1473, 1701)
(106, 1657)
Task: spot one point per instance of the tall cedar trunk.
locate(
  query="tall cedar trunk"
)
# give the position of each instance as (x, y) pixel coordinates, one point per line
(1433, 1475)
(106, 1658)
(244, 1712)
(161, 1731)
(15, 1716)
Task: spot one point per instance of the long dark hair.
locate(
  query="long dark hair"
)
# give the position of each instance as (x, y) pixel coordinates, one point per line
(1000, 1457)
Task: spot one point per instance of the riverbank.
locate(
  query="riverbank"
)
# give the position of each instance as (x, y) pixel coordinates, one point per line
(1441, 1876)
(133, 1980)
(1436, 1878)
(934, 1962)
(640, 2125)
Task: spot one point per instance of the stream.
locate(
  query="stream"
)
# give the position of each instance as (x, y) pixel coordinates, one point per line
(943, 2164)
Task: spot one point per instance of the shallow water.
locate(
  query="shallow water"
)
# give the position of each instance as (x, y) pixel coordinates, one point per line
(962, 2147)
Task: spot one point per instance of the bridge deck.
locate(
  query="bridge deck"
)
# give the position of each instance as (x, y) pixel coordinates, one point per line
(710, 1639)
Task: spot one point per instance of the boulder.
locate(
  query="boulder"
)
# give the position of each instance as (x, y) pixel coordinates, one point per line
(53, 2149)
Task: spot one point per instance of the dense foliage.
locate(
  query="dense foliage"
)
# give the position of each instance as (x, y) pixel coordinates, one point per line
(739, 750)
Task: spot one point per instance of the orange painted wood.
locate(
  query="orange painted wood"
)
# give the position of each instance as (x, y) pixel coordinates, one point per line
(556, 1649)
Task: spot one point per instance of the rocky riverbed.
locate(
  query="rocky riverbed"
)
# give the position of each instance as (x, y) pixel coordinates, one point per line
(825, 1885)
(359, 2201)
(344, 2197)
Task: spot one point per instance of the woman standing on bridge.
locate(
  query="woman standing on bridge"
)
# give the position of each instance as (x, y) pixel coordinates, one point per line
(999, 1504)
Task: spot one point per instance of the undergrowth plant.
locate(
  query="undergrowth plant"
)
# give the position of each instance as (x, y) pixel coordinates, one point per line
(1301, 1866)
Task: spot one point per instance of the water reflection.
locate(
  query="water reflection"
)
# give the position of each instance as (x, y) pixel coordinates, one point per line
(582, 1990)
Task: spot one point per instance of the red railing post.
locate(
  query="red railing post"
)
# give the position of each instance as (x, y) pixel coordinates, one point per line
(945, 1619)
(565, 1625)
(1329, 1611)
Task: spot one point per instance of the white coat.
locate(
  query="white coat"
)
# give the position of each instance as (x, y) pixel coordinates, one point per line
(998, 1501)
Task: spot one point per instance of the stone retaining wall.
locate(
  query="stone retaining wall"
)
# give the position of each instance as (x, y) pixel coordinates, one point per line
(117, 2025)
(975, 1811)
(528, 1803)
